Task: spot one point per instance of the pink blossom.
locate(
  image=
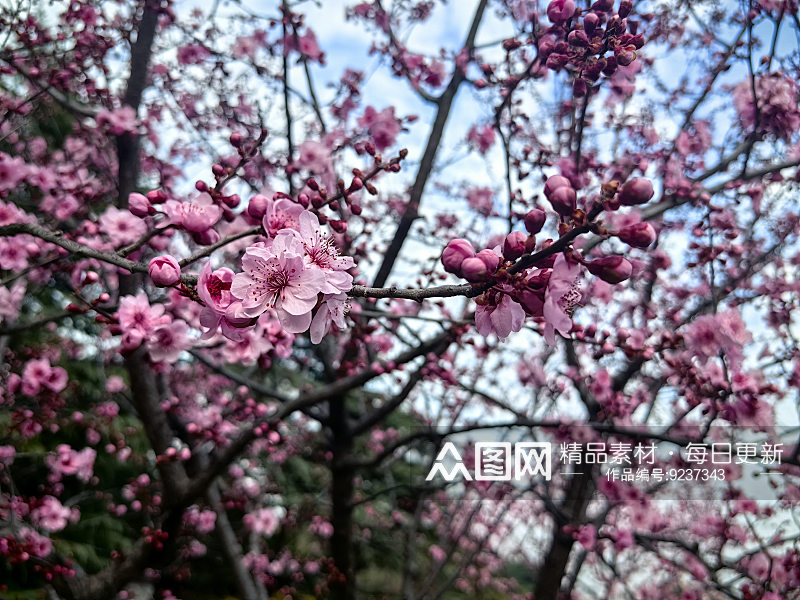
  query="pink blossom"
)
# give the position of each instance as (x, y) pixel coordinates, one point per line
(586, 536)
(778, 111)
(481, 200)
(437, 554)
(135, 313)
(192, 54)
(264, 521)
(304, 44)
(383, 126)
(34, 543)
(501, 318)
(332, 310)
(321, 251)
(561, 295)
(167, 341)
(51, 515)
(708, 335)
(164, 271)
(12, 172)
(118, 121)
(71, 462)
(320, 527)
(435, 73)
(197, 216)
(277, 277)
(38, 374)
(221, 309)
(481, 138)
(121, 227)
(203, 521)
(11, 300)
(316, 157)
(281, 214)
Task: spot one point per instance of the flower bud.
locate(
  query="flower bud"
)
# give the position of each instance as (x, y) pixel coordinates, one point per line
(455, 253)
(139, 205)
(555, 182)
(625, 8)
(490, 259)
(257, 207)
(636, 191)
(205, 238)
(625, 55)
(556, 61)
(611, 269)
(474, 270)
(639, 235)
(164, 271)
(564, 201)
(514, 245)
(560, 10)
(578, 38)
(590, 23)
(131, 340)
(534, 221)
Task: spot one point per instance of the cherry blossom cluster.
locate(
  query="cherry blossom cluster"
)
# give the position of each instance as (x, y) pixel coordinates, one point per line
(550, 290)
(595, 45)
(296, 272)
(775, 110)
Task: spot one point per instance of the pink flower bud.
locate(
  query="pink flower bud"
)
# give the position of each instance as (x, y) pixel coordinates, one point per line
(455, 253)
(490, 259)
(639, 235)
(578, 38)
(514, 245)
(556, 61)
(139, 205)
(164, 271)
(474, 270)
(257, 207)
(205, 238)
(636, 191)
(131, 340)
(560, 10)
(590, 23)
(625, 55)
(611, 269)
(625, 8)
(564, 201)
(534, 221)
(555, 182)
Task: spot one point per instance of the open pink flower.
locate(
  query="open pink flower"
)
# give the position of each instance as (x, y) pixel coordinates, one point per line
(277, 277)
(167, 341)
(281, 214)
(39, 374)
(383, 126)
(51, 515)
(561, 295)
(501, 318)
(71, 462)
(222, 309)
(321, 252)
(305, 44)
(121, 226)
(118, 121)
(135, 313)
(197, 216)
(332, 310)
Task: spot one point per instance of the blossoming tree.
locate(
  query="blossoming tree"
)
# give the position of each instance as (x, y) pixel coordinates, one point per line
(247, 303)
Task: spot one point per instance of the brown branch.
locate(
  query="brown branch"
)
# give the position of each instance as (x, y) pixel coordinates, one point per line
(411, 213)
